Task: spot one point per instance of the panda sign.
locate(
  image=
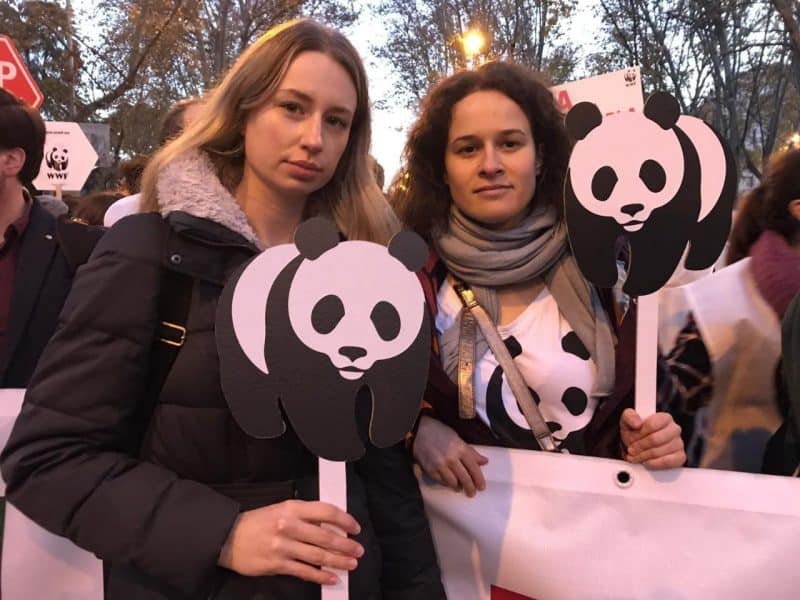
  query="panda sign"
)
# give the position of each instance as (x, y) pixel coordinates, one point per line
(307, 327)
(308, 330)
(659, 182)
(654, 180)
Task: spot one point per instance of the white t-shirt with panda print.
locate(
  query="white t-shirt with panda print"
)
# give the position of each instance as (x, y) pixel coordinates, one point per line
(552, 360)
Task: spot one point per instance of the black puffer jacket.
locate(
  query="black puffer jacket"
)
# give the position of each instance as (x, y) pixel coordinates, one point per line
(160, 519)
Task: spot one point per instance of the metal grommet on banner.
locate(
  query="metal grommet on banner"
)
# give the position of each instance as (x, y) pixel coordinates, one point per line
(623, 479)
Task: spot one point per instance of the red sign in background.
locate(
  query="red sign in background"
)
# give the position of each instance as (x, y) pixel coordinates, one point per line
(14, 75)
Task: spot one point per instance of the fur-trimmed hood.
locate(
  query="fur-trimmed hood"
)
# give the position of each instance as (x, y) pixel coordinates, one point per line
(190, 184)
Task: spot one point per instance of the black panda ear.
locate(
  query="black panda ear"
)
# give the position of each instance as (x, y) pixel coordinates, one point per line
(409, 249)
(316, 236)
(581, 119)
(663, 109)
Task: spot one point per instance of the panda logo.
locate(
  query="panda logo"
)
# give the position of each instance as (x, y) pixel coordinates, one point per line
(567, 410)
(655, 181)
(308, 327)
(57, 159)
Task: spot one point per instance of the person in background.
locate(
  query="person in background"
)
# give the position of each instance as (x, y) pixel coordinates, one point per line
(377, 171)
(178, 117)
(91, 209)
(722, 384)
(131, 175)
(782, 456)
(126, 444)
(483, 178)
(35, 276)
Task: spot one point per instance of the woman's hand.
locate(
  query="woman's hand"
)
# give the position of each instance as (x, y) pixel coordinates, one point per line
(289, 538)
(654, 442)
(448, 459)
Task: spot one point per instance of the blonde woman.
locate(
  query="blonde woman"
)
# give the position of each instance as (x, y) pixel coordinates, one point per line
(127, 446)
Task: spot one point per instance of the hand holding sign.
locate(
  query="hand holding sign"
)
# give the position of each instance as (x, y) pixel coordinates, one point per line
(288, 539)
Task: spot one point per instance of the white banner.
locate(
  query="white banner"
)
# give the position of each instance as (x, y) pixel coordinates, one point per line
(554, 526)
(37, 564)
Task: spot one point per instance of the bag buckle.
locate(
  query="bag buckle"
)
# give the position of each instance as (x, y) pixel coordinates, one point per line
(179, 334)
(465, 294)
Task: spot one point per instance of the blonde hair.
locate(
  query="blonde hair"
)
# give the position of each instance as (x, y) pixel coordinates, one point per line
(352, 196)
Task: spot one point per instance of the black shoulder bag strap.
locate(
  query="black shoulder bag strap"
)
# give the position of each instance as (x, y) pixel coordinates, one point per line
(174, 301)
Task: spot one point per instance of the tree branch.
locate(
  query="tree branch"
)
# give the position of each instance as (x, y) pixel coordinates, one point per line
(128, 82)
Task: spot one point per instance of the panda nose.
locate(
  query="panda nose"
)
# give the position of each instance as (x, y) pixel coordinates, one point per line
(632, 209)
(352, 352)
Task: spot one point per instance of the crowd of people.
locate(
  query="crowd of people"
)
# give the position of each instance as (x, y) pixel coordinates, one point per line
(125, 443)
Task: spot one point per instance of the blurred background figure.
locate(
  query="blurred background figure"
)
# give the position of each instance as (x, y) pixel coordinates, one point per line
(130, 172)
(91, 209)
(182, 114)
(377, 171)
(782, 456)
(724, 396)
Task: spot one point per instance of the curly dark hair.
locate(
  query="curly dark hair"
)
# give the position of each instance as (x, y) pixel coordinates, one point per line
(419, 194)
(766, 206)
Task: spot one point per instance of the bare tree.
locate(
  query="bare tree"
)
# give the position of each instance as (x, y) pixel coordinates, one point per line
(424, 37)
(724, 60)
(789, 12)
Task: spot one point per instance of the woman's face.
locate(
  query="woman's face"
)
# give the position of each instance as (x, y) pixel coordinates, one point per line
(490, 159)
(293, 142)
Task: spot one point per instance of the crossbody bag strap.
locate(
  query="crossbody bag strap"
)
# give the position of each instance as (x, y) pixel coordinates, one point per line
(174, 301)
(472, 314)
(175, 297)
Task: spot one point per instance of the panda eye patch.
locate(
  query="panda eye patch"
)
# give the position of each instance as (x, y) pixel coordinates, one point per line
(386, 320)
(653, 176)
(326, 314)
(603, 183)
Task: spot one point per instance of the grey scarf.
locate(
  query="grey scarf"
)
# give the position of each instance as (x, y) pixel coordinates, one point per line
(537, 247)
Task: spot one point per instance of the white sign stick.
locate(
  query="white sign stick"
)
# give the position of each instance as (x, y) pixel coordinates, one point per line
(646, 354)
(333, 490)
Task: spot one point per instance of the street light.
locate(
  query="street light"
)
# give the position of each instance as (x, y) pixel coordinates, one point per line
(794, 140)
(473, 42)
